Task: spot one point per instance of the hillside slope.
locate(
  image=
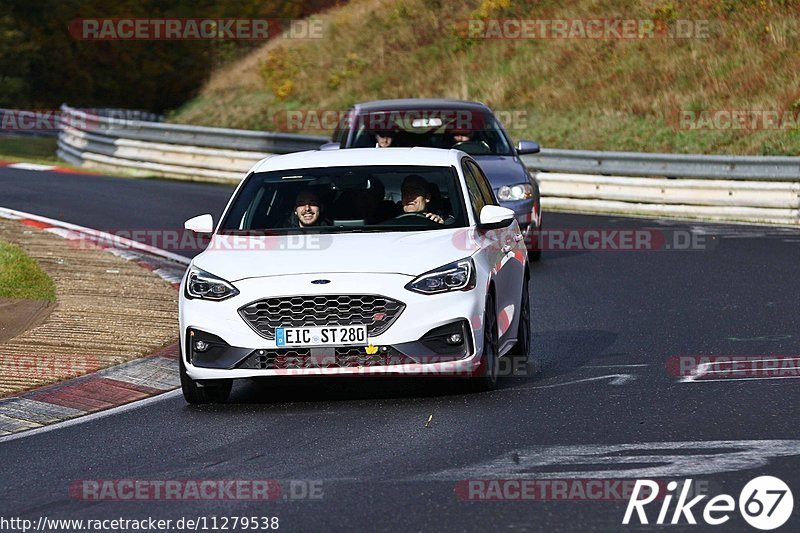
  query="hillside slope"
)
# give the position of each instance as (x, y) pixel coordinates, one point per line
(607, 94)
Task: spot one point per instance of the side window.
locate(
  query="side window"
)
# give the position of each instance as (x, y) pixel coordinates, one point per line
(342, 131)
(483, 183)
(476, 198)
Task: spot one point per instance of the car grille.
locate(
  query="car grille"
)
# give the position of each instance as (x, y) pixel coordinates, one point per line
(347, 356)
(377, 312)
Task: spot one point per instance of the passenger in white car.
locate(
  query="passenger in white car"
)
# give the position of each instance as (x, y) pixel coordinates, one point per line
(308, 210)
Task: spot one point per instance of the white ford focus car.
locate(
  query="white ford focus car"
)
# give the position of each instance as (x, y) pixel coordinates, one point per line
(355, 262)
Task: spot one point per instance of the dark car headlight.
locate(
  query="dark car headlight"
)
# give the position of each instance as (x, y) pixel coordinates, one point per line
(518, 191)
(456, 276)
(205, 286)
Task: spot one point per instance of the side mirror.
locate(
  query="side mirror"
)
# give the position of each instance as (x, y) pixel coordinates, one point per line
(494, 217)
(329, 146)
(200, 224)
(528, 147)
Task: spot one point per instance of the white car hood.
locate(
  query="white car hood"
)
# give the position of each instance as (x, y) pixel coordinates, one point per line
(401, 252)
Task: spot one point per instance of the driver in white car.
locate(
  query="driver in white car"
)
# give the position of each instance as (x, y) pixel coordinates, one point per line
(416, 197)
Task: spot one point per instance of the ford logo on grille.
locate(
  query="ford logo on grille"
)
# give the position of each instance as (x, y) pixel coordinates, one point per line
(321, 281)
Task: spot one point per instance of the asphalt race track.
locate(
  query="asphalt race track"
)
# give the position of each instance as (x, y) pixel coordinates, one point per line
(605, 405)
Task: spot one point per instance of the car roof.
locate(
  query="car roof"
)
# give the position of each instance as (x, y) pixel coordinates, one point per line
(359, 157)
(420, 103)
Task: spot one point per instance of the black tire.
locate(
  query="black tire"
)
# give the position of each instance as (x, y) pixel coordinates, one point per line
(519, 353)
(487, 374)
(210, 392)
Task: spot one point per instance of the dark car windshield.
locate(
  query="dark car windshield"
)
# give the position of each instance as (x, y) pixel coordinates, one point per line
(474, 132)
(348, 199)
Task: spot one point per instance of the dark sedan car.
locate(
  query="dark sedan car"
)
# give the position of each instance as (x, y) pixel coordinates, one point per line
(467, 126)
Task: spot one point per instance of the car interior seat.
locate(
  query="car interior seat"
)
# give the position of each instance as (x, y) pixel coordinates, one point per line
(355, 205)
(364, 139)
(437, 203)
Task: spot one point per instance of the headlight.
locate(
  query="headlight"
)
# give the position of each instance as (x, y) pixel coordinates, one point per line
(201, 284)
(456, 276)
(520, 191)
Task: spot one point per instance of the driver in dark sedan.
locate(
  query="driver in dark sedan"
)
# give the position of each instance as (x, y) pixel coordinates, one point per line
(461, 136)
(416, 197)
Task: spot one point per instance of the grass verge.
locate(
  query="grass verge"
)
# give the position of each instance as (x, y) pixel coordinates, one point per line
(42, 151)
(29, 149)
(21, 277)
(579, 93)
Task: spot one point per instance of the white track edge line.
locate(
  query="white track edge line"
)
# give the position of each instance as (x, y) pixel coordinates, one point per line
(107, 236)
(113, 410)
(80, 419)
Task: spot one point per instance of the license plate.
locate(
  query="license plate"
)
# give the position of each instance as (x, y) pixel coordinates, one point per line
(322, 336)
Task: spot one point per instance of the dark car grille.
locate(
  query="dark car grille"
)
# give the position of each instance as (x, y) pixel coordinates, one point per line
(377, 312)
(347, 356)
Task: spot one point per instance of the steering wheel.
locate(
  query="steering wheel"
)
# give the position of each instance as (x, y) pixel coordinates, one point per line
(416, 219)
(415, 214)
(473, 147)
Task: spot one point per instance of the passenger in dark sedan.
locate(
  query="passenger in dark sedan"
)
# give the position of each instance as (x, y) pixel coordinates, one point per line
(383, 140)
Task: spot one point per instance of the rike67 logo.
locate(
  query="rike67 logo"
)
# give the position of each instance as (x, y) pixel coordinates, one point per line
(765, 503)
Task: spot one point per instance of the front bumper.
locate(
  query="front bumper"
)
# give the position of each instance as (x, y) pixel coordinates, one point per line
(241, 352)
(524, 211)
(528, 216)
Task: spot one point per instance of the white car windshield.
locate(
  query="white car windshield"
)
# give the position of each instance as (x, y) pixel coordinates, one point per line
(348, 199)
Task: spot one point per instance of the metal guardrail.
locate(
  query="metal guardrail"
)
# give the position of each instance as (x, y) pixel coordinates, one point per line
(709, 187)
(171, 150)
(769, 202)
(727, 167)
(184, 134)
